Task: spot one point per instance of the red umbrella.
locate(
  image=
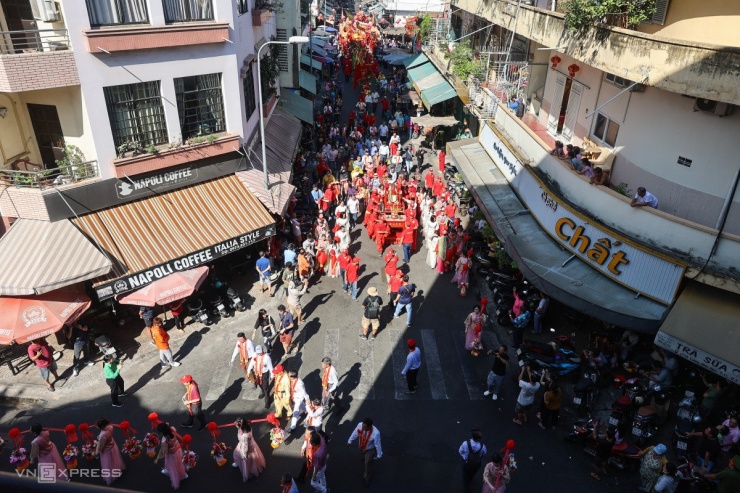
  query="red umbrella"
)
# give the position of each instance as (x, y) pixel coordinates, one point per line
(33, 317)
(168, 289)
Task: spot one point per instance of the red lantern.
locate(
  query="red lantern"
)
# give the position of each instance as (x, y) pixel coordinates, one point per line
(572, 69)
(555, 60)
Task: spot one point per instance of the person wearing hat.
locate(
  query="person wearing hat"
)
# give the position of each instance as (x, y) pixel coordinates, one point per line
(281, 391)
(413, 362)
(651, 466)
(371, 315)
(261, 365)
(192, 401)
(43, 451)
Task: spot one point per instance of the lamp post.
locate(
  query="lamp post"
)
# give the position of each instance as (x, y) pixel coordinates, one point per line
(293, 40)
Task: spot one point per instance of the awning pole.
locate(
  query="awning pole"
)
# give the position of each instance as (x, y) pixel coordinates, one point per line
(615, 97)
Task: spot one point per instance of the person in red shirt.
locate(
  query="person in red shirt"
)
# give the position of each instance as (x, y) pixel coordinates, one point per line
(327, 200)
(411, 221)
(407, 242)
(372, 221)
(351, 118)
(371, 120)
(39, 352)
(381, 232)
(450, 209)
(361, 129)
(344, 259)
(385, 104)
(322, 168)
(394, 285)
(382, 170)
(442, 156)
(353, 275)
(391, 264)
(429, 179)
(437, 187)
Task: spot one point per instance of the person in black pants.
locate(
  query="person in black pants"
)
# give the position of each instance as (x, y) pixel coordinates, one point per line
(413, 362)
(112, 371)
(193, 402)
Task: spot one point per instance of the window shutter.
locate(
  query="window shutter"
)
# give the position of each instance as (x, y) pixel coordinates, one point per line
(661, 10)
(282, 35)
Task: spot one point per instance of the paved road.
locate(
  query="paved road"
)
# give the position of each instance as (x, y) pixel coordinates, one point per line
(421, 433)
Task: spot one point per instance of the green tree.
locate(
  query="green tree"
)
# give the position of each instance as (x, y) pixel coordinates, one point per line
(425, 27)
(581, 14)
(463, 61)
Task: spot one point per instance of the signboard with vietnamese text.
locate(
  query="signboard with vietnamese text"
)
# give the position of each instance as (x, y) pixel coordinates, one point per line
(627, 263)
(186, 262)
(695, 355)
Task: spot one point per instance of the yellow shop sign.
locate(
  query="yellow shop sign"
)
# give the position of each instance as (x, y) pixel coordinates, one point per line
(599, 251)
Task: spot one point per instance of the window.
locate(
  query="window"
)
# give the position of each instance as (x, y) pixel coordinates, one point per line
(242, 6)
(187, 10)
(616, 80)
(250, 98)
(200, 104)
(282, 51)
(136, 114)
(605, 130)
(48, 131)
(114, 12)
(661, 10)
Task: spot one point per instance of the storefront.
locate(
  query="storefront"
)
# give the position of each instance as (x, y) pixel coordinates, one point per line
(562, 252)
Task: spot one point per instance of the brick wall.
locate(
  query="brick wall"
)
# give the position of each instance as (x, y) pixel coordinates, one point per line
(25, 203)
(32, 71)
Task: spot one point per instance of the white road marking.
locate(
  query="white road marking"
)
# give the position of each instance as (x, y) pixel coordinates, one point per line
(471, 380)
(433, 365)
(365, 389)
(398, 356)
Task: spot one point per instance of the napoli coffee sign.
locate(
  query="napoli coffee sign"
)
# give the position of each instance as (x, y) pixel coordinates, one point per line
(155, 183)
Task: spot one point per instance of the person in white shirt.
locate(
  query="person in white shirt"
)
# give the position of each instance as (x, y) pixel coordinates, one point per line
(315, 414)
(353, 206)
(395, 138)
(369, 101)
(383, 130)
(644, 198)
(369, 440)
(376, 100)
(298, 396)
(472, 452)
(367, 159)
(329, 383)
(245, 350)
(261, 365)
(529, 388)
(383, 151)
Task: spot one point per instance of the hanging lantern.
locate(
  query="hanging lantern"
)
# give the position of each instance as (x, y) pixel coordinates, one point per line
(555, 60)
(572, 69)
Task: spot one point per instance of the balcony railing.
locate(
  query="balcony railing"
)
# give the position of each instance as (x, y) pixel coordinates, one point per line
(47, 178)
(33, 41)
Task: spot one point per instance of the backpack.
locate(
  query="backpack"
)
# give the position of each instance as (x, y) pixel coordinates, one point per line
(474, 458)
(373, 308)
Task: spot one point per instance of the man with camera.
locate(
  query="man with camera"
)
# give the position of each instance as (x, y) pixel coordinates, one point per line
(529, 387)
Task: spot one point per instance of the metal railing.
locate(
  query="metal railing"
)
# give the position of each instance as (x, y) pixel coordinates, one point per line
(34, 41)
(47, 178)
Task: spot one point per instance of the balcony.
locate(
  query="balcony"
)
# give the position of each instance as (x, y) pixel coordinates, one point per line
(23, 191)
(695, 69)
(669, 235)
(36, 59)
(146, 37)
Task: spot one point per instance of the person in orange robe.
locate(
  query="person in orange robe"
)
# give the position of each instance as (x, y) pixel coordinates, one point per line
(371, 223)
(381, 233)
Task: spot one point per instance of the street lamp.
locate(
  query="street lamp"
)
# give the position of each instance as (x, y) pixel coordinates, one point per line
(293, 40)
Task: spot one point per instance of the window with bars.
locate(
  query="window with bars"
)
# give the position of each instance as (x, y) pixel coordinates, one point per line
(616, 80)
(242, 6)
(187, 10)
(200, 104)
(250, 96)
(136, 114)
(282, 51)
(116, 12)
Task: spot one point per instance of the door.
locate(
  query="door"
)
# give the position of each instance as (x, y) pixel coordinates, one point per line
(571, 114)
(556, 102)
(48, 131)
(19, 17)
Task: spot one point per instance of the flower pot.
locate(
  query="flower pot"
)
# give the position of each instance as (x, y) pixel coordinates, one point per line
(151, 452)
(89, 456)
(22, 466)
(135, 455)
(274, 444)
(220, 460)
(72, 463)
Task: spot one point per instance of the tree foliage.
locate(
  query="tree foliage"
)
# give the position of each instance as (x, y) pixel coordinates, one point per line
(623, 13)
(463, 61)
(425, 27)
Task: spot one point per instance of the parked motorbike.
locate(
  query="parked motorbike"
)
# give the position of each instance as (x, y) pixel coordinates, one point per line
(236, 300)
(648, 418)
(621, 416)
(585, 391)
(687, 419)
(217, 304)
(561, 364)
(547, 348)
(623, 456)
(198, 311)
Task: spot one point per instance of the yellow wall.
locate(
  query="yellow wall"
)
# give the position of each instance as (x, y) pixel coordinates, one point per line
(704, 21)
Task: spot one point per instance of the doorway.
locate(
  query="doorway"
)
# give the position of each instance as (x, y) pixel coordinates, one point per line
(564, 105)
(19, 17)
(566, 101)
(48, 131)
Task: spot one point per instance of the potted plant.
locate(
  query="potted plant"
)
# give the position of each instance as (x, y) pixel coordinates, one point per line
(262, 10)
(71, 163)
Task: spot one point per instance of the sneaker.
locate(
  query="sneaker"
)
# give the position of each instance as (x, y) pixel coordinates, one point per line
(234, 465)
(176, 363)
(408, 326)
(75, 372)
(185, 425)
(90, 363)
(487, 393)
(51, 389)
(120, 404)
(122, 394)
(495, 397)
(374, 336)
(164, 471)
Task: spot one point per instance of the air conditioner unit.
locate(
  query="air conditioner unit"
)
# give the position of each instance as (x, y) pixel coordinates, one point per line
(712, 106)
(45, 10)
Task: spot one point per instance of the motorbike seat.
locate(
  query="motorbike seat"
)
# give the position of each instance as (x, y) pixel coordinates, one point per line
(684, 426)
(647, 411)
(540, 347)
(625, 448)
(583, 385)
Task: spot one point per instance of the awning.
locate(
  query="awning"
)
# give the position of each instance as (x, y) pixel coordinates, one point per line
(703, 328)
(282, 135)
(306, 60)
(316, 48)
(543, 262)
(296, 105)
(429, 81)
(175, 231)
(307, 81)
(437, 94)
(412, 96)
(418, 73)
(38, 256)
(415, 61)
(277, 198)
(433, 121)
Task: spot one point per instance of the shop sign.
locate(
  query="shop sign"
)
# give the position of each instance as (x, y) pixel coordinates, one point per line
(697, 356)
(155, 183)
(186, 262)
(637, 268)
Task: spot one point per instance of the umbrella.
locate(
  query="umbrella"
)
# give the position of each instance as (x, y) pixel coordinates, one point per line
(168, 289)
(23, 319)
(329, 29)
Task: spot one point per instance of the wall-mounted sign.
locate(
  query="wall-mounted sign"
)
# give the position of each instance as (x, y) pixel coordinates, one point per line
(186, 262)
(633, 266)
(696, 355)
(164, 180)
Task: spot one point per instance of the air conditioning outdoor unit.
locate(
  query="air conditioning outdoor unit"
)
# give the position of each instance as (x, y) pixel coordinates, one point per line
(45, 10)
(712, 106)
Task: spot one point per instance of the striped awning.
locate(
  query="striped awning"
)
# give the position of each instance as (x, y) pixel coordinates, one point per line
(174, 231)
(282, 135)
(307, 81)
(415, 61)
(277, 198)
(438, 93)
(296, 105)
(429, 81)
(38, 256)
(420, 72)
(306, 60)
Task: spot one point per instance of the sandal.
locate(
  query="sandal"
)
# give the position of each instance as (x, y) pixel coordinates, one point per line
(517, 422)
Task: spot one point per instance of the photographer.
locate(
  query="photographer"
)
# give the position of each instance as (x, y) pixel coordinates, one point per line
(529, 387)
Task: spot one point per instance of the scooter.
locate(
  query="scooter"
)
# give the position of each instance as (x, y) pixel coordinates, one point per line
(217, 304)
(688, 418)
(586, 391)
(623, 456)
(560, 365)
(648, 418)
(235, 299)
(198, 312)
(547, 348)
